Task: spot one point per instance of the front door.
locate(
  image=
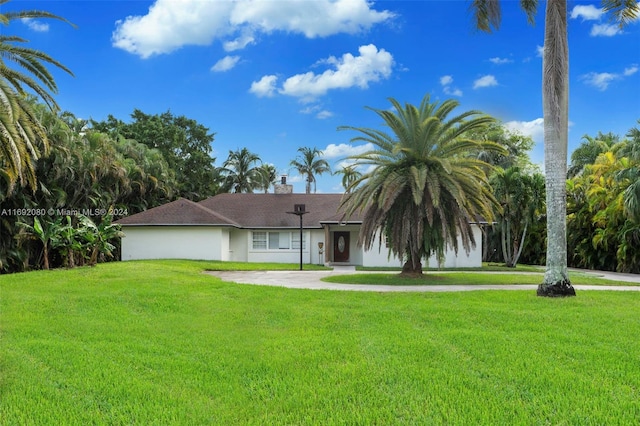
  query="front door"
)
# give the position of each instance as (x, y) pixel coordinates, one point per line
(341, 247)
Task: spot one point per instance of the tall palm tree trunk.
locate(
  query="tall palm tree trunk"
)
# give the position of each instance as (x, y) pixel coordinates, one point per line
(555, 105)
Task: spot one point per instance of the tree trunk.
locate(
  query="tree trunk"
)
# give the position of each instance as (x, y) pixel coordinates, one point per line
(555, 105)
(70, 259)
(409, 270)
(45, 254)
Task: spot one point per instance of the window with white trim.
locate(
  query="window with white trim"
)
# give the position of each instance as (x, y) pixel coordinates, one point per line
(295, 241)
(279, 240)
(274, 240)
(259, 240)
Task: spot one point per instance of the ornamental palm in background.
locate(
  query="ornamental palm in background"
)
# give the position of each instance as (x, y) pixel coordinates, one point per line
(555, 107)
(23, 71)
(425, 185)
(240, 172)
(309, 164)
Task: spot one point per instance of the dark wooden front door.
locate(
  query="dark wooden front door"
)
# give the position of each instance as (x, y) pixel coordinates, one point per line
(341, 247)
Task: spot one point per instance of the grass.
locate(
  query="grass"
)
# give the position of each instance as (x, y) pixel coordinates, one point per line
(464, 278)
(486, 266)
(161, 343)
(266, 266)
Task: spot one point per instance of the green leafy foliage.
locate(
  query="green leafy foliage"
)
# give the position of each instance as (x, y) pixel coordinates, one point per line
(425, 184)
(183, 142)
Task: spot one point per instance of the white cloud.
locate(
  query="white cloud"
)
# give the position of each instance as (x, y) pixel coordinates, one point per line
(485, 81)
(592, 13)
(599, 80)
(533, 128)
(605, 30)
(171, 24)
(586, 12)
(344, 150)
(540, 51)
(452, 92)
(319, 112)
(500, 61)
(372, 65)
(239, 43)
(35, 25)
(319, 18)
(445, 80)
(225, 64)
(266, 86)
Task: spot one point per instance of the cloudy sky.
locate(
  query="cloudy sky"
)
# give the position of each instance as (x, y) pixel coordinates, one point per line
(276, 75)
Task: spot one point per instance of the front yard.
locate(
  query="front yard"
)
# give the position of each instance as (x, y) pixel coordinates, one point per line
(158, 342)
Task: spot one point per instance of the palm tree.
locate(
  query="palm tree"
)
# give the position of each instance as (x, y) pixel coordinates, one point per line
(349, 176)
(555, 106)
(309, 164)
(589, 150)
(268, 176)
(425, 185)
(631, 150)
(22, 137)
(520, 195)
(240, 173)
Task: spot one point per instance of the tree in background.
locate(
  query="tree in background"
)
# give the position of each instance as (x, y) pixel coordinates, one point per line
(350, 176)
(240, 171)
(85, 169)
(44, 231)
(521, 197)
(22, 69)
(268, 176)
(184, 143)
(631, 150)
(426, 184)
(516, 147)
(589, 150)
(603, 233)
(555, 106)
(310, 164)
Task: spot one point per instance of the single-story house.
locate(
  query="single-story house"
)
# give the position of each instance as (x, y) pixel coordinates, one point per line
(261, 228)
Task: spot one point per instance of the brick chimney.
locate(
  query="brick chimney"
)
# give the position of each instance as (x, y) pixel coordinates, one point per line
(282, 187)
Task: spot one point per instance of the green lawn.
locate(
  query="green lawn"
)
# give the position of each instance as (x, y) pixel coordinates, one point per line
(464, 278)
(161, 343)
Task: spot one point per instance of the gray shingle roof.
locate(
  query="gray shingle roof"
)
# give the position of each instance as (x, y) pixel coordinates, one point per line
(244, 211)
(270, 210)
(179, 212)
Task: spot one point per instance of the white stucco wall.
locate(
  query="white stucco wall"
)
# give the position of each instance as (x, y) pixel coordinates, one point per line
(380, 257)
(238, 245)
(462, 260)
(172, 242)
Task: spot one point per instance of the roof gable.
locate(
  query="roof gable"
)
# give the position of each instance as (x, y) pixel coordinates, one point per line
(179, 212)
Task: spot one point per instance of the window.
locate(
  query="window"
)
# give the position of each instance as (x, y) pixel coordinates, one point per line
(259, 240)
(272, 240)
(295, 241)
(279, 240)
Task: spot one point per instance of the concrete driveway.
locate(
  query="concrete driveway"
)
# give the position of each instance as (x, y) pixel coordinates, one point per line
(312, 280)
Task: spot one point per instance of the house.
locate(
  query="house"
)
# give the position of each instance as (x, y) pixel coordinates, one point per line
(261, 228)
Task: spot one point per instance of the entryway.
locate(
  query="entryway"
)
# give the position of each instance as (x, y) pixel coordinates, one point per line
(341, 246)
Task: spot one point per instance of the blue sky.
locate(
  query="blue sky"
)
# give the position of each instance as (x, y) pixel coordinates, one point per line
(276, 75)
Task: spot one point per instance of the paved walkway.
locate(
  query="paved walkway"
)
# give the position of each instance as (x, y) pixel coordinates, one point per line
(312, 280)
